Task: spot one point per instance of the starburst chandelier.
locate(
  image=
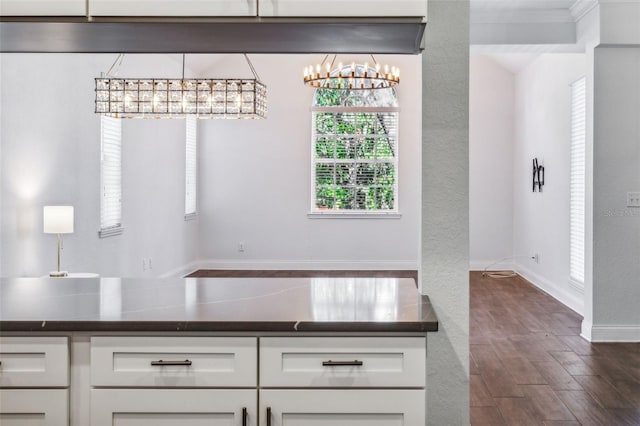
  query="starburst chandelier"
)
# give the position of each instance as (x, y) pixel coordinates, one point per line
(351, 77)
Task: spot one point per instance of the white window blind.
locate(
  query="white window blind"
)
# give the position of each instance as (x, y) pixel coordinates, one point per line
(111, 176)
(355, 152)
(191, 149)
(577, 185)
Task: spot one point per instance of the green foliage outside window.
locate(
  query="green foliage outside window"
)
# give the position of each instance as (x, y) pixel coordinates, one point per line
(355, 150)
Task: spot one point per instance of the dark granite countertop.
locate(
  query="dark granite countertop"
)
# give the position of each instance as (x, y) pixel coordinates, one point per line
(370, 305)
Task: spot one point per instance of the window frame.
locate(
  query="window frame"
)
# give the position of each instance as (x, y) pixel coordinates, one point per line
(108, 206)
(191, 174)
(315, 212)
(577, 182)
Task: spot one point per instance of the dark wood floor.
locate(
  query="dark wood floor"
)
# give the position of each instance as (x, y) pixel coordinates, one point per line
(529, 366)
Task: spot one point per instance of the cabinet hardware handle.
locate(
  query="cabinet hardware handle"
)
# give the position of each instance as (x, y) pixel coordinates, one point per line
(268, 416)
(330, 363)
(244, 416)
(161, 362)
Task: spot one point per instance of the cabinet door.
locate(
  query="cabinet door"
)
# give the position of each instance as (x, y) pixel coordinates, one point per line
(346, 8)
(172, 8)
(31, 407)
(171, 407)
(330, 407)
(34, 362)
(43, 7)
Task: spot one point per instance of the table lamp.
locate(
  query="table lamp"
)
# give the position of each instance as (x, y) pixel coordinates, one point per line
(58, 220)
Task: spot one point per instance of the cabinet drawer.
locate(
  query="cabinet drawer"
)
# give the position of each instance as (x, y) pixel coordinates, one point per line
(331, 407)
(43, 7)
(172, 8)
(34, 362)
(343, 8)
(173, 361)
(170, 407)
(44, 407)
(342, 362)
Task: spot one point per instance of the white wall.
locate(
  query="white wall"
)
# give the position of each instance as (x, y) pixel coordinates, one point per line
(491, 140)
(51, 155)
(256, 180)
(542, 130)
(616, 228)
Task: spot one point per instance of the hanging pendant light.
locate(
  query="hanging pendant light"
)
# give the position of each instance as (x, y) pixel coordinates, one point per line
(351, 77)
(204, 98)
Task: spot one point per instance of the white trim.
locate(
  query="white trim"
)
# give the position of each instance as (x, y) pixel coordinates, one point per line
(491, 265)
(342, 214)
(181, 271)
(581, 7)
(356, 265)
(585, 330)
(572, 301)
(612, 333)
(111, 231)
(577, 286)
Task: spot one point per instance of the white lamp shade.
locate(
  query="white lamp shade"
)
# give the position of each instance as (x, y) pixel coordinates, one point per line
(58, 219)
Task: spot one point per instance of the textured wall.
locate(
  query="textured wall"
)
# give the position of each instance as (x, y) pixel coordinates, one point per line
(445, 208)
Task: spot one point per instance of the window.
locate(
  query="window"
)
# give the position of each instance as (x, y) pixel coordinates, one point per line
(190, 187)
(355, 151)
(577, 186)
(110, 176)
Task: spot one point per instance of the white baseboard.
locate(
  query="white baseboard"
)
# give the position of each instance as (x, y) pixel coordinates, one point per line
(611, 333)
(322, 265)
(565, 296)
(491, 265)
(181, 271)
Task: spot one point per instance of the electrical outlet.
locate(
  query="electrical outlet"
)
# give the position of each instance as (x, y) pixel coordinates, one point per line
(536, 258)
(241, 247)
(633, 199)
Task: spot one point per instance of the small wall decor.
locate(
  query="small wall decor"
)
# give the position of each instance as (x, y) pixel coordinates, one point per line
(538, 176)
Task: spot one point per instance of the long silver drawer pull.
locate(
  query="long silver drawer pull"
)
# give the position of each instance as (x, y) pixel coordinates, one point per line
(268, 416)
(330, 363)
(161, 362)
(244, 416)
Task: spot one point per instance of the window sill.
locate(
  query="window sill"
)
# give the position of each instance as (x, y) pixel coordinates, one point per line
(333, 214)
(190, 216)
(110, 232)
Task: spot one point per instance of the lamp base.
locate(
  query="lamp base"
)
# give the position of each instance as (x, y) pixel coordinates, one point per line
(58, 274)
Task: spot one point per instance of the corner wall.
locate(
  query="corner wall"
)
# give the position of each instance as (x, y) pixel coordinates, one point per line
(50, 140)
(542, 131)
(491, 136)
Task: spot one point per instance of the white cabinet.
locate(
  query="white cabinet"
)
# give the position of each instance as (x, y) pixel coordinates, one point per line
(342, 362)
(350, 367)
(330, 407)
(172, 7)
(28, 365)
(43, 7)
(171, 407)
(343, 8)
(125, 361)
(34, 362)
(31, 407)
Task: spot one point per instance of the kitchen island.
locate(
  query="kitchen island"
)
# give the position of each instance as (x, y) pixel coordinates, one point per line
(214, 351)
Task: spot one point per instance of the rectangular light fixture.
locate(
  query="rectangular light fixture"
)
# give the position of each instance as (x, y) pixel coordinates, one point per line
(180, 98)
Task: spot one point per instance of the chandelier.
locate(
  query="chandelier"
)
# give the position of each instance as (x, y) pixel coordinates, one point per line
(204, 98)
(351, 77)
